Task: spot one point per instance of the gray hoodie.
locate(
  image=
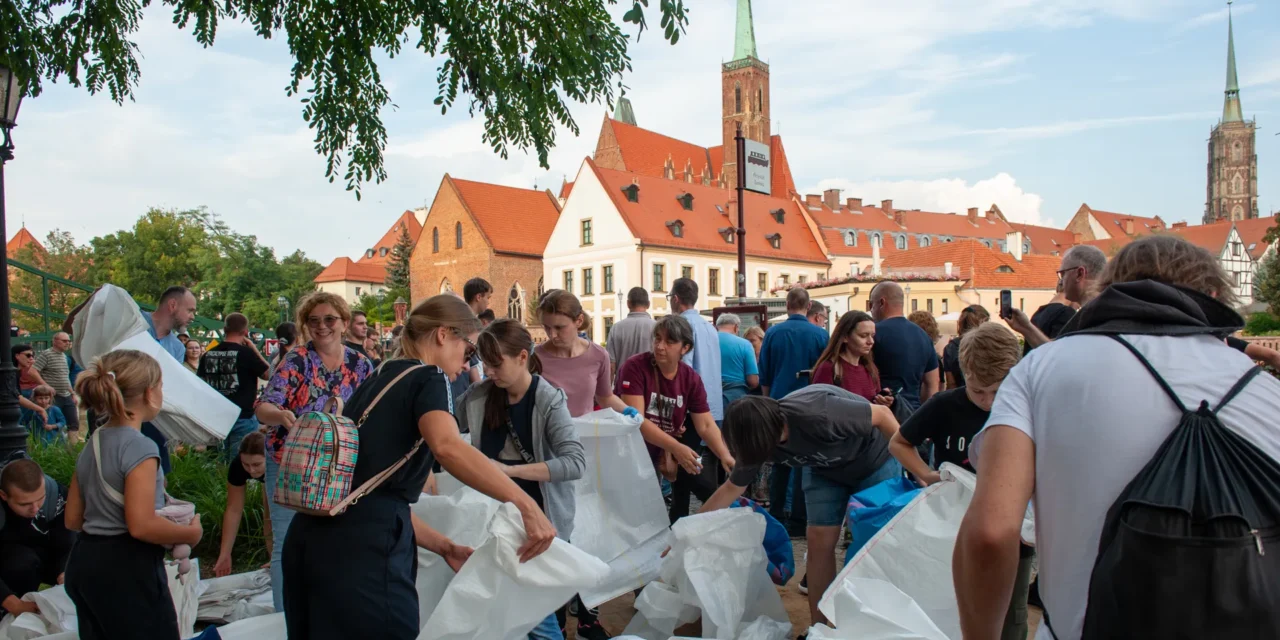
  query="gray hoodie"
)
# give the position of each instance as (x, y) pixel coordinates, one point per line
(555, 442)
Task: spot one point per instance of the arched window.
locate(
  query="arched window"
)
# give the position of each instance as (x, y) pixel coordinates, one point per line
(515, 303)
(457, 235)
(445, 287)
(1237, 152)
(924, 241)
(901, 241)
(1237, 213)
(875, 240)
(851, 238)
(1026, 246)
(435, 239)
(737, 98)
(541, 290)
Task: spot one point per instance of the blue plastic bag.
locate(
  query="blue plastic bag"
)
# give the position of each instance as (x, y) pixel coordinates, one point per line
(871, 508)
(777, 544)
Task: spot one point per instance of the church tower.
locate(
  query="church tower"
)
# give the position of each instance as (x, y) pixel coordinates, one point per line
(744, 83)
(1232, 189)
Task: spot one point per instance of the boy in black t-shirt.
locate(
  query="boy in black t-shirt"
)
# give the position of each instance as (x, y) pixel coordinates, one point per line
(952, 418)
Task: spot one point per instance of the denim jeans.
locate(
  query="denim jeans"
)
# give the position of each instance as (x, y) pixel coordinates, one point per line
(548, 629)
(242, 428)
(280, 519)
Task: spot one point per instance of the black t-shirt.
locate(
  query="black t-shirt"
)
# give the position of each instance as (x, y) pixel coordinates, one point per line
(951, 361)
(951, 421)
(48, 537)
(392, 428)
(237, 476)
(233, 369)
(493, 442)
(1050, 319)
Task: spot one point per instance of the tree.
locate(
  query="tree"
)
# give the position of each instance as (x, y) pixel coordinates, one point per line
(518, 63)
(1272, 234)
(398, 265)
(163, 249)
(1266, 281)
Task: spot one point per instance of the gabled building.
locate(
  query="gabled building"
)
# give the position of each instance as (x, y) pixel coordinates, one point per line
(476, 229)
(1095, 224)
(21, 239)
(368, 273)
(621, 229)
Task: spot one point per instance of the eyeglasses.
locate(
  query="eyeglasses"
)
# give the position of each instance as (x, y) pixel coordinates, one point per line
(471, 346)
(329, 321)
(1062, 272)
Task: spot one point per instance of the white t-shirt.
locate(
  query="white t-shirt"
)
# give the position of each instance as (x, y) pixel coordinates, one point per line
(1097, 417)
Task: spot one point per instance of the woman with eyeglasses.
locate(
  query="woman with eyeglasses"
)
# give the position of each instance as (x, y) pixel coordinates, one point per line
(307, 377)
(352, 575)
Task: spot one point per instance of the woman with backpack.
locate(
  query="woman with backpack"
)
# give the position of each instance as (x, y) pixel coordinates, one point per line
(351, 573)
(305, 379)
(522, 422)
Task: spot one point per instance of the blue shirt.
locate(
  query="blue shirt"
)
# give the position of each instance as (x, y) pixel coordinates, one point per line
(169, 343)
(705, 359)
(789, 348)
(737, 359)
(903, 353)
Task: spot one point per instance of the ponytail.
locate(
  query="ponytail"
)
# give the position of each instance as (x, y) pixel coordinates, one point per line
(113, 379)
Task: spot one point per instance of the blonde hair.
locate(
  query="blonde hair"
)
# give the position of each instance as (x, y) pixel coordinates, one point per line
(1171, 260)
(444, 311)
(753, 331)
(987, 353)
(313, 300)
(115, 378)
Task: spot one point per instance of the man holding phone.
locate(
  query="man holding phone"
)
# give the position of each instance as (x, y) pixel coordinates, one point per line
(903, 352)
(1081, 266)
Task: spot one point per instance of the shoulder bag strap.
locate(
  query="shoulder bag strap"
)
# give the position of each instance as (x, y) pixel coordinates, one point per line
(1152, 370)
(377, 480)
(515, 439)
(111, 492)
(1239, 386)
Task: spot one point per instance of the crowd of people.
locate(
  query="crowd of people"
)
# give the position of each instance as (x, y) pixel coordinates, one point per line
(807, 415)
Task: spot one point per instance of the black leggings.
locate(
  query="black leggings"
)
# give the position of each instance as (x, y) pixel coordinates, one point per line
(120, 589)
(702, 485)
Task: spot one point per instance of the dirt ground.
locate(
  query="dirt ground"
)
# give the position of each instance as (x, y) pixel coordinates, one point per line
(616, 614)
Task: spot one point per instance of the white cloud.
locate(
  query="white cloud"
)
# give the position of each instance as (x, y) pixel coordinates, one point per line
(1068, 127)
(1211, 17)
(948, 195)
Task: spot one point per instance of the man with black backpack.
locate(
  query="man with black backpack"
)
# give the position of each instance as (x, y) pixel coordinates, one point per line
(1150, 448)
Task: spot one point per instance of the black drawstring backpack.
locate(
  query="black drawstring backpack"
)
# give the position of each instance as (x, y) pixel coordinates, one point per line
(1191, 548)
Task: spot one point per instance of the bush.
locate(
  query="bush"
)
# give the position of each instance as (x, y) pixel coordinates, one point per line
(1261, 324)
(199, 477)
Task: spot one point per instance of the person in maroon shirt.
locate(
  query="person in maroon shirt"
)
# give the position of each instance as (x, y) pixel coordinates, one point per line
(847, 361)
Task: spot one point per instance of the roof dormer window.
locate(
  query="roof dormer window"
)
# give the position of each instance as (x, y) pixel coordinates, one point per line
(368, 253)
(775, 240)
(727, 233)
(676, 227)
(1004, 268)
(851, 238)
(686, 201)
(382, 252)
(632, 191)
(779, 215)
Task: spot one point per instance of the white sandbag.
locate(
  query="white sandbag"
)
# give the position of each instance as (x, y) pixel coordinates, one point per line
(57, 615)
(185, 590)
(660, 608)
(497, 597)
(193, 411)
(619, 501)
(463, 517)
(630, 571)
(869, 609)
(268, 627)
(235, 597)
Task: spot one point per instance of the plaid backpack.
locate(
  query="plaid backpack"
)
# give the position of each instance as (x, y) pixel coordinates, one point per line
(319, 459)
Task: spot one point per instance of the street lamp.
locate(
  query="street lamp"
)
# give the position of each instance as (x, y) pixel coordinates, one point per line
(284, 308)
(13, 438)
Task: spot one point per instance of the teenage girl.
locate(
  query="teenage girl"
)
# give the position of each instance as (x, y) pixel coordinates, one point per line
(115, 574)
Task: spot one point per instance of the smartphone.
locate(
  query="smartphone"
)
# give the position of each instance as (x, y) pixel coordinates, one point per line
(1006, 303)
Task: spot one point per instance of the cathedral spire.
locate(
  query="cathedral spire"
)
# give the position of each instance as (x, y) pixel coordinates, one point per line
(1231, 111)
(744, 39)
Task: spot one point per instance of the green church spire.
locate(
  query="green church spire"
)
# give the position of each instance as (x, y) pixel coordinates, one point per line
(624, 112)
(744, 39)
(1231, 111)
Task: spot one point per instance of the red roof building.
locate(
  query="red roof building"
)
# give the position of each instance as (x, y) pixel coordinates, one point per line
(368, 274)
(22, 238)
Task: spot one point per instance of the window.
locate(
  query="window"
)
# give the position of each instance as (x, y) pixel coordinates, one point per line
(457, 235)
(1004, 268)
(923, 241)
(728, 233)
(875, 240)
(659, 278)
(382, 252)
(928, 305)
(445, 287)
(775, 240)
(607, 272)
(850, 238)
(632, 191)
(901, 241)
(762, 281)
(686, 272)
(541, 288)
(1237, 184)
(855, 269)
(1021, 302)
(1237, 152)
(676, 227)
(608, 327)
(369, 253)
(686, 201)
(515, 303)
(915, 304)
(737, 98)
(1235, 249)
(759, 100)
(802, 278)
(568, 281)
(786, 279)
(357, 292)
(944, 305)
(586, 232)
(1237, 213)
(435, 239)
(588, 282)
(779, 215)
(1236, 275)
(1026, 246)
(713, 282)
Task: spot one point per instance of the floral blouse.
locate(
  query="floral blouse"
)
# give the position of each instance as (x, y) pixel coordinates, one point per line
(301, 383)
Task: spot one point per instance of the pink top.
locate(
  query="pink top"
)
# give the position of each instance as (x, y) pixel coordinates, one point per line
(855, 379)
(581, 378)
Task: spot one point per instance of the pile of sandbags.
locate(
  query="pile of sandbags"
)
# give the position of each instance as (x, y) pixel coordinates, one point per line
(57, 617)
(717, 571)
(235, 597)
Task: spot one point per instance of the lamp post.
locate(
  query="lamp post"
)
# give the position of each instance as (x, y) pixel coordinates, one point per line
(13, 438)
(284, 308)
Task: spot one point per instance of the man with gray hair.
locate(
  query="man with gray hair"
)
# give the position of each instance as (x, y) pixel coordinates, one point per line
(738, 370)
(1081, 266)
(52, 365)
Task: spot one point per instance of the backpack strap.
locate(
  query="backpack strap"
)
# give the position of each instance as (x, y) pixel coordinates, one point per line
(1152, 370)
(377, 480)
(1239, 386)
(369, 409)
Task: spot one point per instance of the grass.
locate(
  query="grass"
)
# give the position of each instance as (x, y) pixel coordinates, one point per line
(199, 477)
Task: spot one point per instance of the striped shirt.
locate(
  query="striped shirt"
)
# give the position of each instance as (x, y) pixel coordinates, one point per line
(51, 364)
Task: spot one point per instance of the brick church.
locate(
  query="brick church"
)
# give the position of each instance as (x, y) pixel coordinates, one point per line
(1232, 188)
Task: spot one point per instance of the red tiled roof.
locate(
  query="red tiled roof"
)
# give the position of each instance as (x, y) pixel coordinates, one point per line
(781, 183)
(646, 152)
(345, 269)
(513, 220)
(1045, 240)
(1251, 232)
(21, 239)
(375, 255)
(647, 219)
(1113, 222)
(566, 188)
(984, 268)
(1207, 236)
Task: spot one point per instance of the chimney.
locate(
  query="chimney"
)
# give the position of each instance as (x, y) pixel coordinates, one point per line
(1179, 225)
(854, 204)
(831, 198)
(887, 207)
(946, 268)
(875, 260)
(813, 200)
(973, 215)
(1128, 226)
(1013, 242)
(1077, 238)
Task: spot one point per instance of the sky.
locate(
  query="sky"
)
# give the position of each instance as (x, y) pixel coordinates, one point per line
(1034, 105)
